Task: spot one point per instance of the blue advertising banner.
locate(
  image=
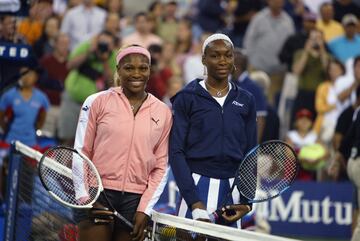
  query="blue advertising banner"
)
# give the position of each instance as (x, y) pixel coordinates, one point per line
(312, 209)
(15, 52)
(307, 209)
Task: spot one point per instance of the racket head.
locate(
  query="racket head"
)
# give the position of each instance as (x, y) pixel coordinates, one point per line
(70, 177)
(267, 171)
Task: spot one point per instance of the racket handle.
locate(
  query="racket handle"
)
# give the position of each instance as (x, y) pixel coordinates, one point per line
(118, 215)
(214, 217)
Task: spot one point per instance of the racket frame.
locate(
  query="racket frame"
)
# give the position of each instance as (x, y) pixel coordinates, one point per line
(238, 170)
(68, 172)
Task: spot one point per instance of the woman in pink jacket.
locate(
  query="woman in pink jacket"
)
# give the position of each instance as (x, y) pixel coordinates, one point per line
(124, 131)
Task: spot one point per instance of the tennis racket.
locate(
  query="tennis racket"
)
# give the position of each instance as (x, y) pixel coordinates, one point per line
(267, 171)
(72, 179)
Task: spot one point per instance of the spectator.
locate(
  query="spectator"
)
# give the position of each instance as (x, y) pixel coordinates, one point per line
(344, 7)
(174, 85)
(156, 10)
(45, 44)
(335, 169)
(310, 66)
(142, 35)
(91, 66)
(168, 26)
(7, 30)
(23, 108)
(193, 67)
(241, 77)
(345, 86)
(168, 58)
(52, 81)
(348, 156)
(83, 22)
(9, 69)
(184, 41)
(327, 25)
(115, 6)
(325, 103)
(297, 40)
(31, 27)
(300, 137)
(112, 25)
(210, 17)
(272, 120)
(160, 73)
(270, 27)
(296, 10)
(243, 13)
(348, 45)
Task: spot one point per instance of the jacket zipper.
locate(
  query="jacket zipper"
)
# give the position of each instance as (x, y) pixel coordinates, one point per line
(222, 133)
(128, 157)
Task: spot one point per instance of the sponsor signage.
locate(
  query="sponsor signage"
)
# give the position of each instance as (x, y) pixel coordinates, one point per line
(307, 209)
(14, 51)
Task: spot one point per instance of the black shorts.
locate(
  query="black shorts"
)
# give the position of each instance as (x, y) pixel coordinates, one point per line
(124, 202)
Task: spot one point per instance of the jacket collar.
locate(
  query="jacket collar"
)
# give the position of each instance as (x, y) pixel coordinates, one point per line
(195, 88)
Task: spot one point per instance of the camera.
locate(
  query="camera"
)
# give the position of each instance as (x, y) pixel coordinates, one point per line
(103, 47)
(316, 46)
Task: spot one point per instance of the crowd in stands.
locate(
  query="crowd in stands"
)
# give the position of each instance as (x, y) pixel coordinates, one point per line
(300, 61)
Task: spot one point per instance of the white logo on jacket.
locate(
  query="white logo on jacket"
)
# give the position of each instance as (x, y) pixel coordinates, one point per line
(237, 103)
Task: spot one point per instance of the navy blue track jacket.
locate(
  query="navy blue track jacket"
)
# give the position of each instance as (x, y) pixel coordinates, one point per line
(209, 139)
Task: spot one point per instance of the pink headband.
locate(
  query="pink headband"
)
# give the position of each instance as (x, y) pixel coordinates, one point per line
(132, 50)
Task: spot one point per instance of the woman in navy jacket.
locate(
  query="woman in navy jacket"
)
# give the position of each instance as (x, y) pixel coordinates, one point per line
(214, 127)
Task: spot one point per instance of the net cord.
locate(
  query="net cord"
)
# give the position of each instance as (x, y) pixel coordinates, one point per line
(37, 156)
(28, 151)
(214, 230)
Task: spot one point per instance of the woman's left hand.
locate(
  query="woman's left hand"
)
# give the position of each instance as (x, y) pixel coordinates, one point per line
(233, 213)
(140, 224)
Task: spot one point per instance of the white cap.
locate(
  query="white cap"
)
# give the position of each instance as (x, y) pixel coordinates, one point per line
(213, 37)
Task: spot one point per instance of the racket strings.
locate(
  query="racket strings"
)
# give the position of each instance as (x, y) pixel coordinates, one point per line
(68, 176)
(267, 171)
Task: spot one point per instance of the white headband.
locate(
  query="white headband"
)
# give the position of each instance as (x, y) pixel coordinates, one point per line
(213, 37)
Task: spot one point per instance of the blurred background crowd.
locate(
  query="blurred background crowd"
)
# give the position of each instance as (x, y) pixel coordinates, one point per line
(299, 58)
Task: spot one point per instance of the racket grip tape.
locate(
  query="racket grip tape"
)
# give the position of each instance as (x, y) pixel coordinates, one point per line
(215, 216)
(118, 215)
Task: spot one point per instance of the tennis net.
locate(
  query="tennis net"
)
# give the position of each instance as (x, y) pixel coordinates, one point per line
(32, 215)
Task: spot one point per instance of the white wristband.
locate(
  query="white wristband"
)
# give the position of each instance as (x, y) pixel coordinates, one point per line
(198, 213)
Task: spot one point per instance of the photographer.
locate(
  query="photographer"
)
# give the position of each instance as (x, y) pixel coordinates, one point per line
(310, 66)
(91, 66)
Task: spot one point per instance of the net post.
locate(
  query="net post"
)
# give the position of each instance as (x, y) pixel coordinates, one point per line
(11, 194)
(153, 230)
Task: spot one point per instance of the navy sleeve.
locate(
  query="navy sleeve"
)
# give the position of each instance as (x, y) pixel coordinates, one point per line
(177, 152)
(251, 131)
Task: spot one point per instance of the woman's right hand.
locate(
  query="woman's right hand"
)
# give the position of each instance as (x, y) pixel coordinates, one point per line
(200, 205)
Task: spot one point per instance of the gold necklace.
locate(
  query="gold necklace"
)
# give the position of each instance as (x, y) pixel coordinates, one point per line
(218, 92)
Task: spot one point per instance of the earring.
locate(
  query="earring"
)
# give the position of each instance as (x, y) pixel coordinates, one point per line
(205, 70)
(234, 67)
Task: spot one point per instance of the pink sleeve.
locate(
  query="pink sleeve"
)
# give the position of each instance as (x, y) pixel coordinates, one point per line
(158, 176)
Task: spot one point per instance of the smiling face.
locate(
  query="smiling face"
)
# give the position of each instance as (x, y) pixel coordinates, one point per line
(219, 60)
(134, 72)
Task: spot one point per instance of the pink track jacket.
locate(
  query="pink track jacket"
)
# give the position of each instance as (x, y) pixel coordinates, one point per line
(130, 152)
